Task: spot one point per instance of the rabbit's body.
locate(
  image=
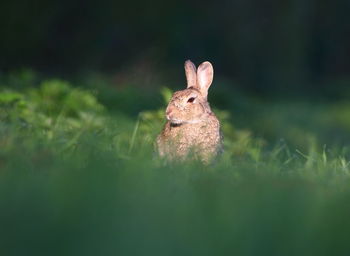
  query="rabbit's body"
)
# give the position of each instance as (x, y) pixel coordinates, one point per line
(201, 139)
(192, 128)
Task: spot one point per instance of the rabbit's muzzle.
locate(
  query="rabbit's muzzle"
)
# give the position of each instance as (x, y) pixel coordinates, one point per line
(168, 114)
(171, 116)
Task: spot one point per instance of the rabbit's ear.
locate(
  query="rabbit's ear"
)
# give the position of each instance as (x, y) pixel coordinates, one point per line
(205, 74)
(191, 76)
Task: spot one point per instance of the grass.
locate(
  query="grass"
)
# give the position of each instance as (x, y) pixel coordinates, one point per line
(78, 176)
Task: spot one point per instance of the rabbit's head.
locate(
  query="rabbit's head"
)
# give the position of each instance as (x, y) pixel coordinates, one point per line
(191, 105)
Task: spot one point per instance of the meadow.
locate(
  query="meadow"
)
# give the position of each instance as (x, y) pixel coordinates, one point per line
(79, 175)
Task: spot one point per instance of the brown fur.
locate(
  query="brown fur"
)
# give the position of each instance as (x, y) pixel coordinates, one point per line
(192, 128)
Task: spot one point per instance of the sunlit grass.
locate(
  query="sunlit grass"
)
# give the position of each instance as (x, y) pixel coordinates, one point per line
(78, 179)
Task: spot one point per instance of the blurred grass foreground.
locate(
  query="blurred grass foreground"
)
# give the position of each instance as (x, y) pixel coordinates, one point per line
(78, 176)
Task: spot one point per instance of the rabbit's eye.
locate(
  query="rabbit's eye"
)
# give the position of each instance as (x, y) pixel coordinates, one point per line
(191, 100)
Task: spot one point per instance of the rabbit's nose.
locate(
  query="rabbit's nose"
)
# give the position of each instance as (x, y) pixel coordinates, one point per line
(168, 113)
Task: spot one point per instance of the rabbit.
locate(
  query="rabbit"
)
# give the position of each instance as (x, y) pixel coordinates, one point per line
(192, 129)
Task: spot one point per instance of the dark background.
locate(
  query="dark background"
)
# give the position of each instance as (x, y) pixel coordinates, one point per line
(265, 46)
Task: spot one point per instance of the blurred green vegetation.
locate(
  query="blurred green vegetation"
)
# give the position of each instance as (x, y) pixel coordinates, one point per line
(78, 174)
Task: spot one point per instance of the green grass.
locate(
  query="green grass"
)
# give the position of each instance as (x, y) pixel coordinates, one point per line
(78, 176)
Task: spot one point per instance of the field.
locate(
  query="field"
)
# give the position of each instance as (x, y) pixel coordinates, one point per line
(79, 176)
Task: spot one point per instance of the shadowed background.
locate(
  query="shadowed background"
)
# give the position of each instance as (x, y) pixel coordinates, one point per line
(264, 46)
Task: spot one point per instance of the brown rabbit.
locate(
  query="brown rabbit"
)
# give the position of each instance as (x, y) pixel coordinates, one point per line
(191, 127)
